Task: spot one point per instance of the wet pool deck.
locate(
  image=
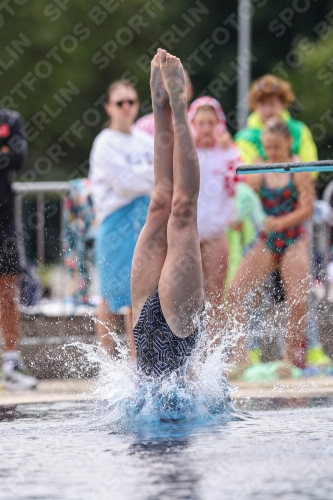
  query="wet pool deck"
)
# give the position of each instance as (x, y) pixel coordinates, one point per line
(50, 391)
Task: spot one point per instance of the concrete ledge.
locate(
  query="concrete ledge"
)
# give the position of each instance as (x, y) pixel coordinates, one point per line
(50, 391)
(285, 388)
(43, 339)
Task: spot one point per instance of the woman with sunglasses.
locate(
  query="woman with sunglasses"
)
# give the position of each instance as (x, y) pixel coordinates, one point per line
(121, 173)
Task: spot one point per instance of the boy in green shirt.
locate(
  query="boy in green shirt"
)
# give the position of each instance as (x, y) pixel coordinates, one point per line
(269, 97)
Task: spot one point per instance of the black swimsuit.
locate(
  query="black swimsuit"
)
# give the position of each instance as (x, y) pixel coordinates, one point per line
(159, 351)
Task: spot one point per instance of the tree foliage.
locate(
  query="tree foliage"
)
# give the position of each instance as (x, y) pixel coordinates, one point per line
(313, 85)
(58, 58)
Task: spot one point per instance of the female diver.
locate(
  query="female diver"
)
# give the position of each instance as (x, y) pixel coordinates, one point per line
(167, 282)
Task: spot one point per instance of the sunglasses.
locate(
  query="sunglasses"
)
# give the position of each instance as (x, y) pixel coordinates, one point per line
(130, 102)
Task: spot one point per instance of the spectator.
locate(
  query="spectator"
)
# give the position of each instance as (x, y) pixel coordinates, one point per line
(269, 97)
(13, 150)
(287, 200)
(121, 174)
(215, 204)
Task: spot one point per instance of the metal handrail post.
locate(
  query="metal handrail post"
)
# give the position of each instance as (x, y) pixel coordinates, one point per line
(328, 192)
(312, 301)
(19, 228)
(61, 206)
(244, 60)
(327, 259)
(40, 227)
(18, 211)
(327, 196)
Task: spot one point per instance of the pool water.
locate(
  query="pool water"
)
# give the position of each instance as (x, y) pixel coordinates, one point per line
(72, 451)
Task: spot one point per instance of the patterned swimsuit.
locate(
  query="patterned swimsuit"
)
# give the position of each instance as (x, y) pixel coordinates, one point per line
(159, 351)
(277, 202)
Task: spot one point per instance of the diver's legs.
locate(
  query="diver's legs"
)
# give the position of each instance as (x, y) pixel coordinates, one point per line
(181, 282)
(151, 248)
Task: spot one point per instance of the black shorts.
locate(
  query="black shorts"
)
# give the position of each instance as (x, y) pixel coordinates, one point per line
(9, 257)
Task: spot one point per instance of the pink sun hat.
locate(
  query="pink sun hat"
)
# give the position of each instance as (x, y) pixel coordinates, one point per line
(207, 101)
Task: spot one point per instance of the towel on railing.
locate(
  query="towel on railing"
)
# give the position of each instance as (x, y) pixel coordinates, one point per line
(78, 232)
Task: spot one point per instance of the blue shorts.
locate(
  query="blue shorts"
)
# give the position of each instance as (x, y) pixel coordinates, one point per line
(115, 243)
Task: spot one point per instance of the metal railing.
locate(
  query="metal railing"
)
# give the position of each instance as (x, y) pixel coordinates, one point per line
(328, 197)
(320, 235)
(22, 189)
(328, 193)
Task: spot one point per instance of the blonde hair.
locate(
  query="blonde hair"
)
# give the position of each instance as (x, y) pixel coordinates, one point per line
(267, 86)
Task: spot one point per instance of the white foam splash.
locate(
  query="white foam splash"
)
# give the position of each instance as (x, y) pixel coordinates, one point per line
(130, 400)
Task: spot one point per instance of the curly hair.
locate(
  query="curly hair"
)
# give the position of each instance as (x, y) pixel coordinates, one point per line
(270, 85)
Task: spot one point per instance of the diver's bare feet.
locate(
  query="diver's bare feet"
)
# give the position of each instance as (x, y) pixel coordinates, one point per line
(159, 93)
(173, 73)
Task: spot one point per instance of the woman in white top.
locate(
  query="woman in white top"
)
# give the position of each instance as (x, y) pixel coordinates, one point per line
(215, 204)
(121, 173)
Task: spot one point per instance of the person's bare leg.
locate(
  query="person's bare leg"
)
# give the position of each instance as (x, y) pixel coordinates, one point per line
(251, 273)
(181, 282)
(128, 323)
(106, 323)
(215, 265)
(9, 315)
(295, 275)
(151, 248)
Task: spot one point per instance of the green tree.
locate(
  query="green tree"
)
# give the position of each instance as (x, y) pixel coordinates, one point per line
(59, 56)
(313, 85)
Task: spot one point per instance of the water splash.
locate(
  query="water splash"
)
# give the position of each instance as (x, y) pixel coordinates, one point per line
(129, 400)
